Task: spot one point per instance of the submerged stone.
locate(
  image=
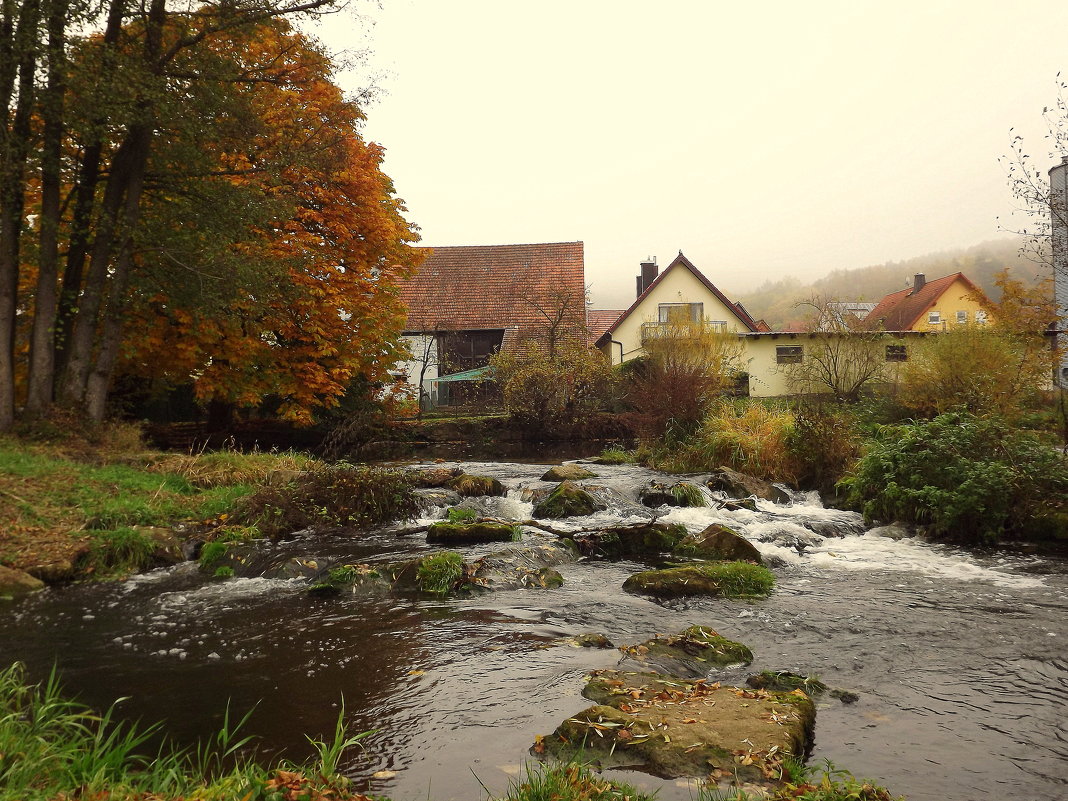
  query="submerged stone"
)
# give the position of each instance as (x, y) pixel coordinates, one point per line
(721, 543)
(348, 578)
(567, 472)
(520, 566)
(693, 653)
(740, 485)
(673, 727)
(568, 500)
(640, 539)
(728, 579)
(468, 533)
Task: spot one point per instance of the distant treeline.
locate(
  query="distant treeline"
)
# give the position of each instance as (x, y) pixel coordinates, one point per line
(777, 301)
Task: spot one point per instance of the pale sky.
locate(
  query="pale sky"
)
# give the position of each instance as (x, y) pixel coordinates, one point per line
(761, 139)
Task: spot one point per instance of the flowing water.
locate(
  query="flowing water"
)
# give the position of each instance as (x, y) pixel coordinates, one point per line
(960, 659)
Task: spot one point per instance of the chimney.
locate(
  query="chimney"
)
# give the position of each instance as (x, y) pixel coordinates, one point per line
(648, 275)
(918, 282)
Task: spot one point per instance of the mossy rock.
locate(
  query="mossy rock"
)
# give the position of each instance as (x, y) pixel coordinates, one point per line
(440, 573)
(435, 477)
(727, 579)
(468, 533)
(639, 540)
(568, 500)
(681, 493)
(348, 579)
(567, 472)
(719, 543)
(672, 727)
(693, 652)
(14, 583)
(469, 486)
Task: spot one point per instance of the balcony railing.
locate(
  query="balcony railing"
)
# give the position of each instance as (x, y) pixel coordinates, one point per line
(682, 330)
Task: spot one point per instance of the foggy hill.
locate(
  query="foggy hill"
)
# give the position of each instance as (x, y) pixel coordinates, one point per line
(776, 301)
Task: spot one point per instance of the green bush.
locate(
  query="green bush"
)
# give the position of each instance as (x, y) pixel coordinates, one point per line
(338, 495)
(965, 478)
(824, 445)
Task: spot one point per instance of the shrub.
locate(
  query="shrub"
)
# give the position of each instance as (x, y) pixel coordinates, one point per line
(686, 365)
(964, 477)
(338, 495)
(542, 390)
(824, 445)
(751, 438)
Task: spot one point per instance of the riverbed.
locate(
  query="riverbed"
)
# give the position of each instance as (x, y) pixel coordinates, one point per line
(959, 657)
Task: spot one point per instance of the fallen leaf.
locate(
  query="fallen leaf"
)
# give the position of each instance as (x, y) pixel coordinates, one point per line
(384, 774)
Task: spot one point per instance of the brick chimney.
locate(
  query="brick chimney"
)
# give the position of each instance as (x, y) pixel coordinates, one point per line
(648, 274)
(917, 283)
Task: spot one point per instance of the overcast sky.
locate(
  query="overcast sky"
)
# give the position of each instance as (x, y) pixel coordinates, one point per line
(761, 139)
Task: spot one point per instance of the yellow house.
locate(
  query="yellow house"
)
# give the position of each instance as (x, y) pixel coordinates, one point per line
(680, 294)
(931, 306)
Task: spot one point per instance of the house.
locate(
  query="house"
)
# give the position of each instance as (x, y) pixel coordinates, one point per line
(681, 293)
(467, 303)
(930, 306)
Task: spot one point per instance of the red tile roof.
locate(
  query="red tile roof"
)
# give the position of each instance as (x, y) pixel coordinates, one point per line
(900, 310)
(600, 320)
(680, 260)
(493, 286)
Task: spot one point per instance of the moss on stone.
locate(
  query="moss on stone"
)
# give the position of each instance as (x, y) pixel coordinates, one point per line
(727, 579)
(567, 500)
(466, 533)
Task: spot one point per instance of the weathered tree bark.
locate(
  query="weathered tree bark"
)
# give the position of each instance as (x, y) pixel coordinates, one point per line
(14, 151)
(41, 359)
(84, 207)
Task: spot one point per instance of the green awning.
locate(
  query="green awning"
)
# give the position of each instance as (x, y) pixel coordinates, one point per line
(466, 375)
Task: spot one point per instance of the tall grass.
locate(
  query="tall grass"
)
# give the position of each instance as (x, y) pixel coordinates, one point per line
(53, 748)
(570, 782)
(752, 438)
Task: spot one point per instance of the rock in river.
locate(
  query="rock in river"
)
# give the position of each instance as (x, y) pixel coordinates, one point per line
(672, 727)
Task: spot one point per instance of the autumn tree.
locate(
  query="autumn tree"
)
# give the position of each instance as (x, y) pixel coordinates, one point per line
(841, 356)
(213, 178)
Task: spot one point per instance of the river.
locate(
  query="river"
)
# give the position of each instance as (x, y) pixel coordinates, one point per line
(960, 658)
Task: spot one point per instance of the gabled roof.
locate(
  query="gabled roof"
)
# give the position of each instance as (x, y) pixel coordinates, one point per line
(682, 261)
(600, 320)
(900, 310)
(491, 286)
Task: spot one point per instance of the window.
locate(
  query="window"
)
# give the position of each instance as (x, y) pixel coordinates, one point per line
(788, 354)
(980, 317)
(962, 317)
(681, 312)
(896, 353)
(934, 318)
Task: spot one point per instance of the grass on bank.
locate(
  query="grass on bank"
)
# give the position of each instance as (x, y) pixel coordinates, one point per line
(51, 748)
(85, 501)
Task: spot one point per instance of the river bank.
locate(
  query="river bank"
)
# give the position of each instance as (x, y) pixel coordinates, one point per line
(943, 646)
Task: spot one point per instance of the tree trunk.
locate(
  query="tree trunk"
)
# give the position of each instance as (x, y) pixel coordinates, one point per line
(14, 151)
(84, 206)
(41, 365)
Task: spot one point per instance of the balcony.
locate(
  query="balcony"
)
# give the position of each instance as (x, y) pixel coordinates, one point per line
(651, 331)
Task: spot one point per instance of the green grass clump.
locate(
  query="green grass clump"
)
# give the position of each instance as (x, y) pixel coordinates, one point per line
(440, 572)
(741, 579)
(211, 553)
(52, 748)
(616, 454)
(120, 552)
(570, 782)
(458, 514)
(688, 495)
(224, 572)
